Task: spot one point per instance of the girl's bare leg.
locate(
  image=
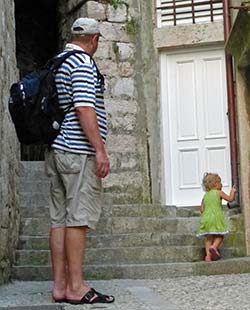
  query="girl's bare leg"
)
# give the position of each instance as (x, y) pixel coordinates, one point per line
(218, 239)
(208, 243)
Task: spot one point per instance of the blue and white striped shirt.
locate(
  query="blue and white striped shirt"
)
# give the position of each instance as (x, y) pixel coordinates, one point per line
(77, 81)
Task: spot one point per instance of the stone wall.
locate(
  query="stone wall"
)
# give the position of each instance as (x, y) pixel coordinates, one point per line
(120, 57)
(239, 46)
(128, 56)
(9, 215)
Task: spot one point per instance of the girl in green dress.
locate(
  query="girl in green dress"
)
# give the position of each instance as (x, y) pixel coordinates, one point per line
(212, 225)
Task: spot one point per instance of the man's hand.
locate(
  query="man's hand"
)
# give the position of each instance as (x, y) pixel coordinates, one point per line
(102, 165)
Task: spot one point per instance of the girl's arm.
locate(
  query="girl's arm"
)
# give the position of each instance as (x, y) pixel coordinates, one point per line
(229, 197)
(201, 207)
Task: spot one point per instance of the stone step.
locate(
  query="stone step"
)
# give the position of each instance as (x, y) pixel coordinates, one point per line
(132, 210)
(127, 255)
(119, 225)
(142, 271)
(114, 210)
(122, 225)
(38, 199)
(118, 241)
(133, 239)
(32, 186)
(33, 243)
(32, 170)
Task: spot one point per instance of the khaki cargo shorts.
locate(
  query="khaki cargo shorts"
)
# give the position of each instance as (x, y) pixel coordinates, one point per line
(75, 190)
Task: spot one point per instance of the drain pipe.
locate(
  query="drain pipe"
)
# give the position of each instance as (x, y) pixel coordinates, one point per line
(231, 107)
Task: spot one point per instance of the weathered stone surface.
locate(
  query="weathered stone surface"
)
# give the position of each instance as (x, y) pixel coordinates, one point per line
(125, 88)
(125, 51)
(96, 10)
(126, 69)
(117, 60)
(104, 51)
(189, 35)
(114, 32)
(9, 219)
(128, 143)
(119, 14)
(126, 234)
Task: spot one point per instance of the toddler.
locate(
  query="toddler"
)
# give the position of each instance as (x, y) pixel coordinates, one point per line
(212, 225)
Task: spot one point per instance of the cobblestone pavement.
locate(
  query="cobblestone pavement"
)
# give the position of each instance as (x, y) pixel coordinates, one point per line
(227, 292)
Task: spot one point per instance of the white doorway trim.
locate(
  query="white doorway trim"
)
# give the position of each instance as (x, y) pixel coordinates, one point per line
(168, 184)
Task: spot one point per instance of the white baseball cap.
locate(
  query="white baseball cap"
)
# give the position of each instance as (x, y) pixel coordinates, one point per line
(84, 25)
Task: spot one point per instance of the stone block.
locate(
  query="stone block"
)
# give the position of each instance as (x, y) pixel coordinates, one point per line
(125, 88)
(114, 32)
(189, 35)
(125, 51)
(129, 161)
(108, 68)
(126, 69)
(121, 107)
(104, 51)
(96, 10)
(118, 15)
(121, 143)
(122, 123)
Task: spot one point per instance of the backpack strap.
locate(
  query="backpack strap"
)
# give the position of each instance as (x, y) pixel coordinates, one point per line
(55, 62)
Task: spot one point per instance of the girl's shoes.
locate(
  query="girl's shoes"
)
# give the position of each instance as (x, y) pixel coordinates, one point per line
(215, 255)
(208, 258)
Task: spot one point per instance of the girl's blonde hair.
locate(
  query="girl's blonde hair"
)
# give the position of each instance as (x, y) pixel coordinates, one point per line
(210, 181)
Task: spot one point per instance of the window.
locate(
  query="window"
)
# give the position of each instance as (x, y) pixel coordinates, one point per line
(179, 12)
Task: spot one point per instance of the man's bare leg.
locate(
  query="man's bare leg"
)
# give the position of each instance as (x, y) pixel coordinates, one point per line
(58, 257)
(75, 243)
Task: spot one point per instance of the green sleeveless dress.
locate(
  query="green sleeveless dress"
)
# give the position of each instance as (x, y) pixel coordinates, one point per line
(212, 219)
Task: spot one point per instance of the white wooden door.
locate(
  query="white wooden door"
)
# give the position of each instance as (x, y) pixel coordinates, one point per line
(195, 123)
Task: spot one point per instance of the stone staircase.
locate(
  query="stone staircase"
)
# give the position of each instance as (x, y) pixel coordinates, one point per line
(131, 241)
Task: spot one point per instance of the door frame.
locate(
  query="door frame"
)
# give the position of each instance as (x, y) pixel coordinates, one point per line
(167, 186)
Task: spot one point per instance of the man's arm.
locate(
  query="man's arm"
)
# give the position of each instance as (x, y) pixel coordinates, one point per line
(88, 121)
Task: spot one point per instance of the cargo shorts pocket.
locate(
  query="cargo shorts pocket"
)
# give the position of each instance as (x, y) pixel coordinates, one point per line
(67, 163)
(95, 183)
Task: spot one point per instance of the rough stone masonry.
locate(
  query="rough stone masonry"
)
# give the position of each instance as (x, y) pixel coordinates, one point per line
(126, 57)
(9, 215)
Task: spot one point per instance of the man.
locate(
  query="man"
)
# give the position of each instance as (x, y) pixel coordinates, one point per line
(76, 164)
